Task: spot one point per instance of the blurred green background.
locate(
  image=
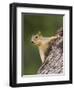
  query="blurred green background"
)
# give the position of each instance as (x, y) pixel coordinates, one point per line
(31, 24)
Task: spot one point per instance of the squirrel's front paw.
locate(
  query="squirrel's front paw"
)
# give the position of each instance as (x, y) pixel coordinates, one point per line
(58, 36)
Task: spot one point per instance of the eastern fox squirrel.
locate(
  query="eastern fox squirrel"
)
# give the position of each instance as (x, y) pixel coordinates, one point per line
(43, 43)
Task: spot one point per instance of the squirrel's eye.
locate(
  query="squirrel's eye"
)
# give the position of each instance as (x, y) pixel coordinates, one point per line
(36, 37)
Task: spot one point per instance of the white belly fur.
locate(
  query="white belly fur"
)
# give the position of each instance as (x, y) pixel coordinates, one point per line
(42, 55)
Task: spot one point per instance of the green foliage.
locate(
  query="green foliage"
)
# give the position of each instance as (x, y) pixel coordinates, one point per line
(31, 24)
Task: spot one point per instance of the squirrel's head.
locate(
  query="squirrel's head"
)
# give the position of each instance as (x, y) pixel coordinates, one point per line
(36, 39)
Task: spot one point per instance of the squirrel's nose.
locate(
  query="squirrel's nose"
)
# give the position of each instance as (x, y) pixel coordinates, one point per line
(32, 41)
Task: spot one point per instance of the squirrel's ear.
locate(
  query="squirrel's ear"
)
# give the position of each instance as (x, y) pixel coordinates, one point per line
(39, 33)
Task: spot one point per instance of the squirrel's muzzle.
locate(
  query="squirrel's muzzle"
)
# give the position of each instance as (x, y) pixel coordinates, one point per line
(32, 42)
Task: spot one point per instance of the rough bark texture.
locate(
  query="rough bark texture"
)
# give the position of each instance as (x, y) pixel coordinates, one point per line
(54, 62)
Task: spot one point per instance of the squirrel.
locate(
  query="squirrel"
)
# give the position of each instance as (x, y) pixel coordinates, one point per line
(43, 43)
